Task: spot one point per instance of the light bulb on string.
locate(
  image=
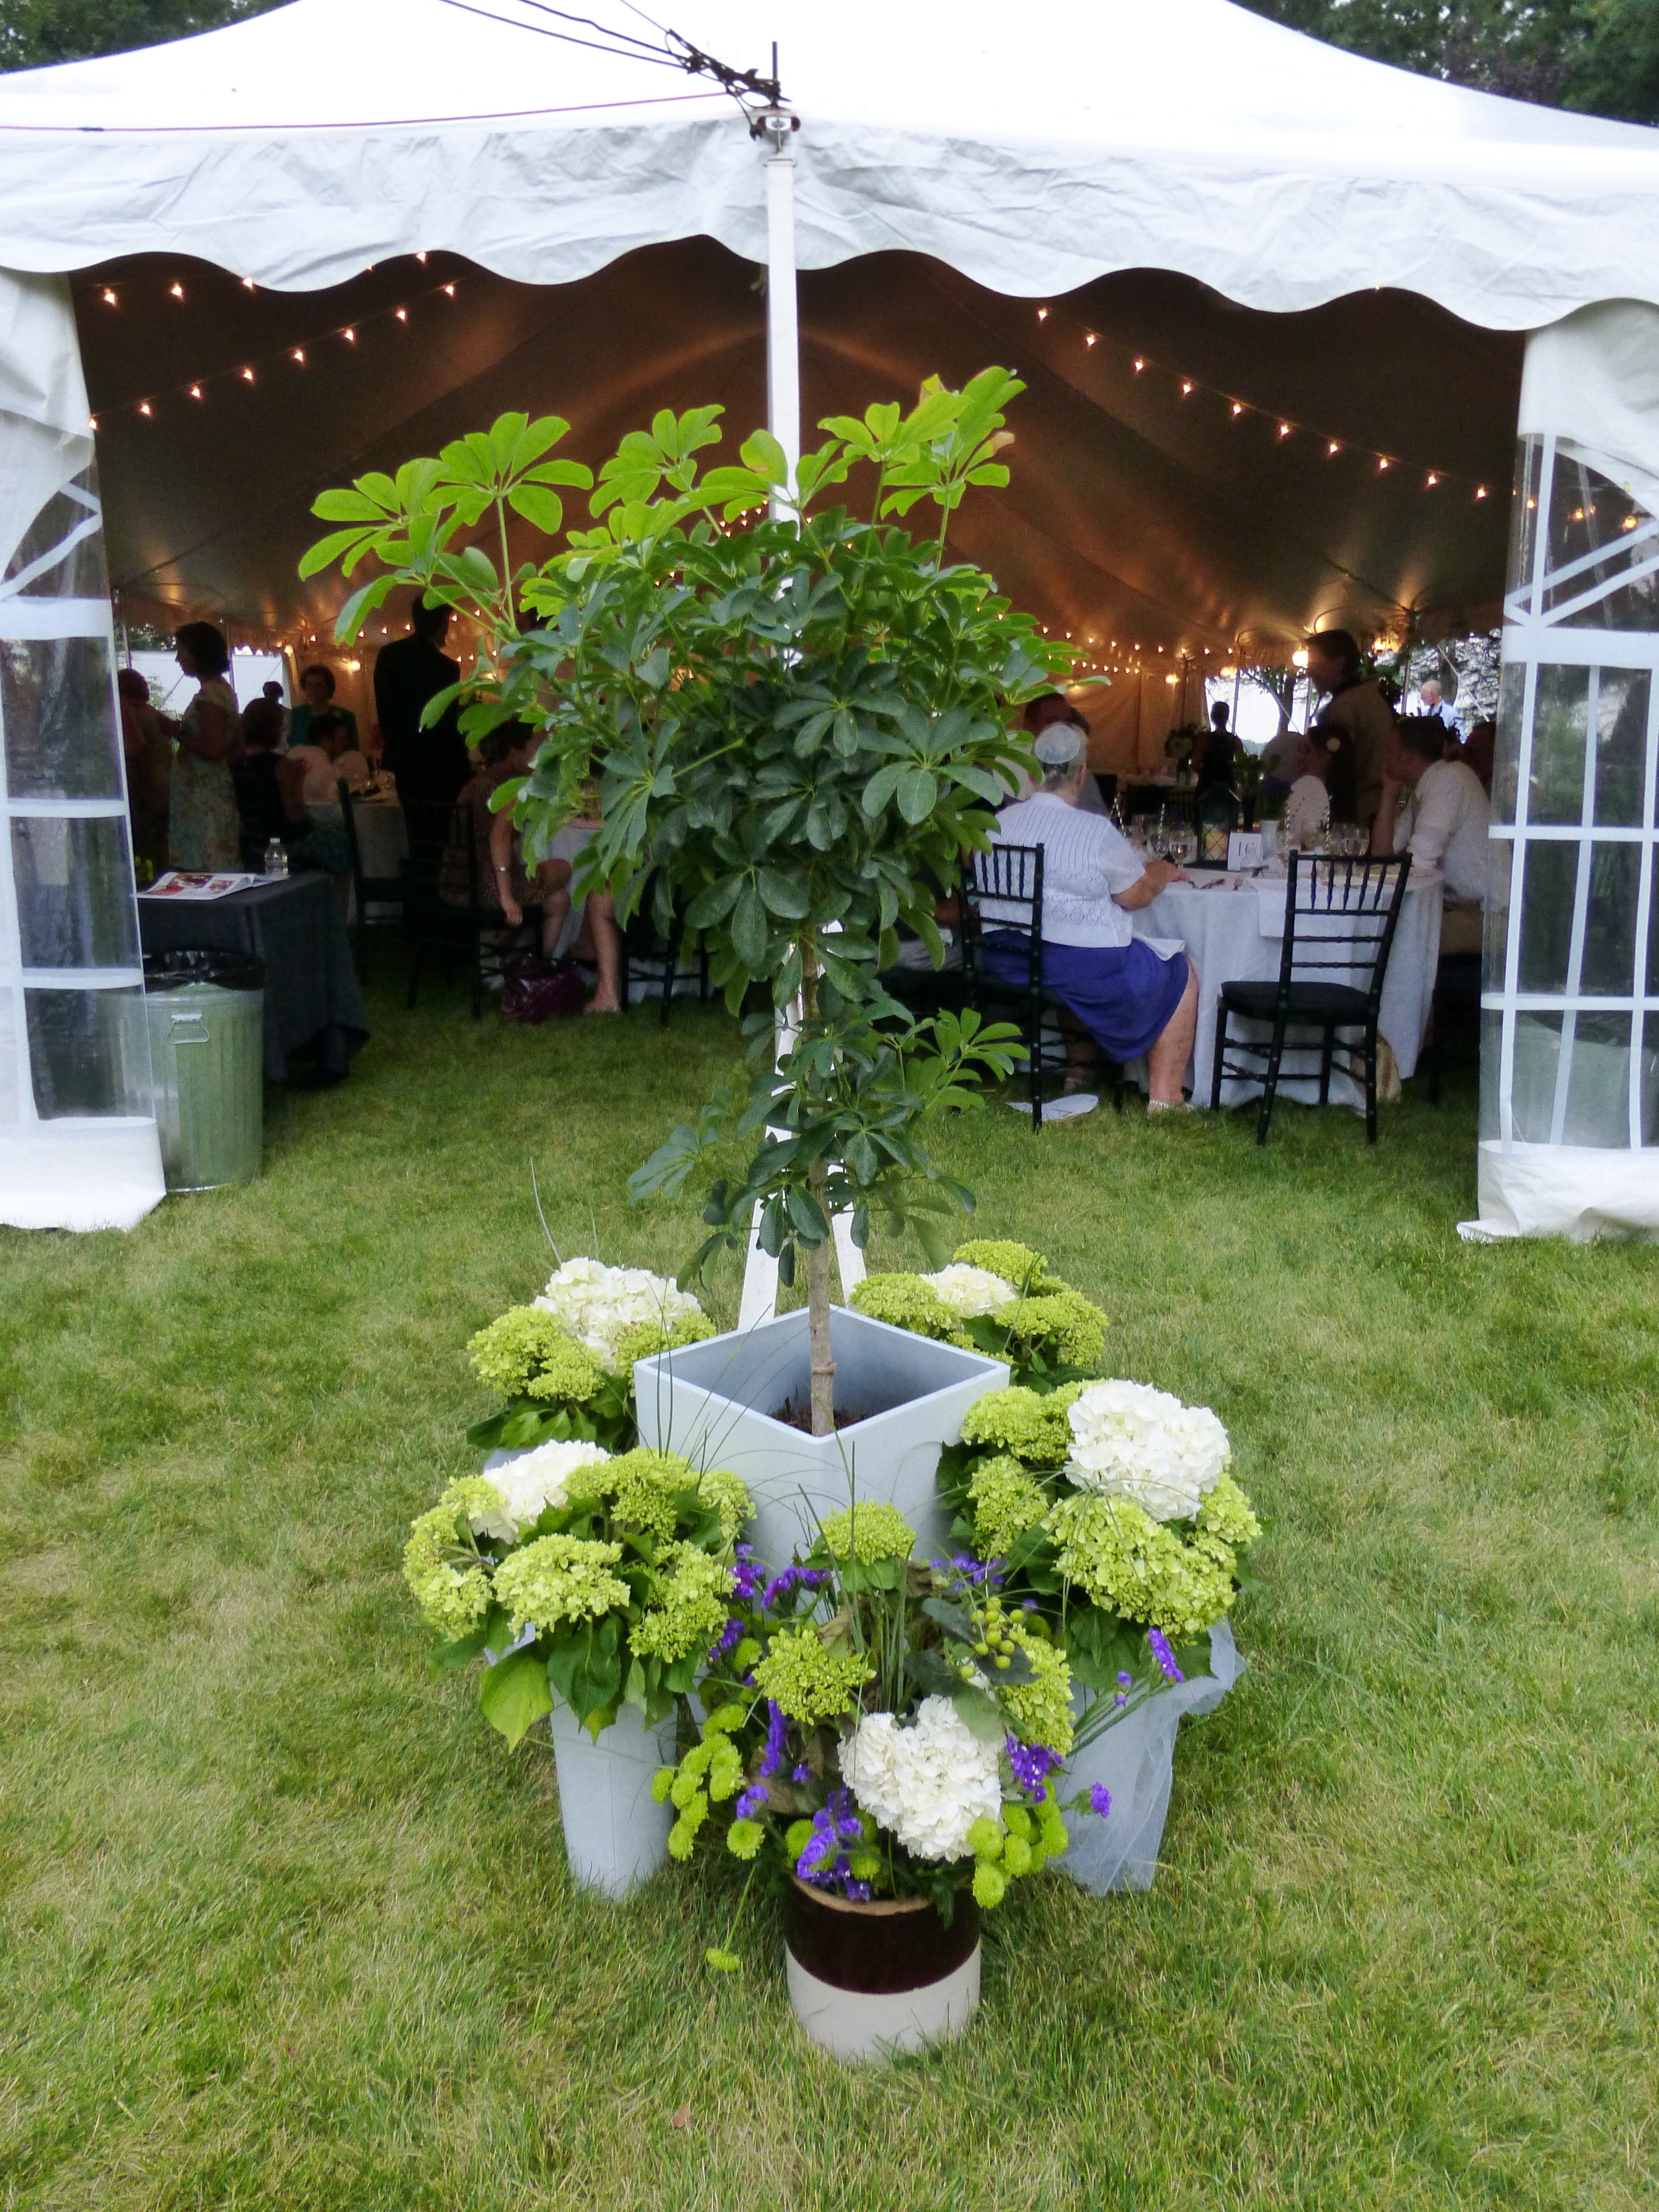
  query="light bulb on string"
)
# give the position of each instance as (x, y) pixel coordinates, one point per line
(1042, 314)
(1432, 481)
(1480, 493)
(1332, 447)
(349, 336)
(402, 314)
(247, 376)
(1089, 337)
(109, 297)
(248, 284)
(299, 355)
(1186, 387)
(176, 291)
(1139, 365)
(195, 390)
(1284, 429)
(1238, 407)
(144, 407)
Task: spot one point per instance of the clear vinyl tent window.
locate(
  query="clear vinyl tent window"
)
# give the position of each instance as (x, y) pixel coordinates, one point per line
(1571, 1048)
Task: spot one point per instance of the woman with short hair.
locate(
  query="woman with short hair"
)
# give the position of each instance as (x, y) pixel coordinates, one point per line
(1134, 1001)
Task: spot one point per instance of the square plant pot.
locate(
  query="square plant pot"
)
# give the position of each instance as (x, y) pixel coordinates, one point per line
(900, 1396)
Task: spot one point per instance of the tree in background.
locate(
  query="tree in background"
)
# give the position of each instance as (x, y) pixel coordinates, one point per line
(1599, 56)
(35, 33)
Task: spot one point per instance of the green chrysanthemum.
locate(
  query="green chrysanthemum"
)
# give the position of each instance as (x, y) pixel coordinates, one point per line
(1132, 1565)
(1006, 1503)
(810, 1684)
(559, 1578)
(909, 1302)
(691, 1604)
(647, 1337)
(868, 1533)
(1034, 1428)
(1062, 1324)
(526, 1353)
(1018, 1264)
(1041, 1709)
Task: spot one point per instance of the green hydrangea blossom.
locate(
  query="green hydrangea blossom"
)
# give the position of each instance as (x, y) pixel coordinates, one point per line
(1006, 1503)
(1062, 1324)
(691, 1606)
(1033, 1428)
(726, 1492)
(559, 1578)
(526, 1353)
(810, 1683)
(1018, 1264)
(647, 1337)
(1227, 1516)
(1132, 1565)
(642, 1485)
(909, 1302)
(1041, 1709)
(453, 1595)
(868, 1533)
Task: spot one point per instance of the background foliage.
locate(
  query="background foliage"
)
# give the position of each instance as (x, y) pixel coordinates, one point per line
(1601, 56)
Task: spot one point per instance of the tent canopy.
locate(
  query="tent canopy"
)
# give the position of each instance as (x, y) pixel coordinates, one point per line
(1091, 136)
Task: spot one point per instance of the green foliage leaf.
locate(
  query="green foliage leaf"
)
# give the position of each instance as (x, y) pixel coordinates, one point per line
(514, 1694)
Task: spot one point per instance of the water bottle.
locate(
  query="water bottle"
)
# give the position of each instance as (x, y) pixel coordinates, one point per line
(276, 857)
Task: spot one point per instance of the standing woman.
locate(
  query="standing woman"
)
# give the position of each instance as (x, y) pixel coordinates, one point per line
(205, 831)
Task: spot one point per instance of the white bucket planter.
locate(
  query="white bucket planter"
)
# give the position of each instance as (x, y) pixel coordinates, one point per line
(868, 1981)
(716, 1403)
(615, 1836)
(1135, 1760)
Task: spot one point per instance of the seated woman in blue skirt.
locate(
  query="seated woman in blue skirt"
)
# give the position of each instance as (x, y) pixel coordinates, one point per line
(1135, 1001)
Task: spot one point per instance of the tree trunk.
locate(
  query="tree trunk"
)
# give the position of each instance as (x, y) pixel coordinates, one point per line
(818, 1312)
(817, 1259)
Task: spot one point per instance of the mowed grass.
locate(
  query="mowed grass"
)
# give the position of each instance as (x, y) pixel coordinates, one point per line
(284, 1927)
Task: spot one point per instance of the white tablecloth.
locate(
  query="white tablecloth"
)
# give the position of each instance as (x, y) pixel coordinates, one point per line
(1225, 932)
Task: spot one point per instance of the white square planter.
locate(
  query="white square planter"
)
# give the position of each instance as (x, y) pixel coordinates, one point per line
(716, 1402)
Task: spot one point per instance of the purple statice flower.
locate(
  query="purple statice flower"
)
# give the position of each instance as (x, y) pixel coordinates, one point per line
(1100, 1797)
(777, 1734)
(859, 1892)
(748, 1574)
(729, 1636)
(753, 1800)
(819, 1846)
(792, 1578)
(1028, 1605)
(1126, 1681)
(801, 1773)
(1165, 1658)
(1120, 1701)
(1032, 1765)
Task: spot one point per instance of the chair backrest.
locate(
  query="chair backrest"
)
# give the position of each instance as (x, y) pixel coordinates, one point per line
(1341, 915)
(1008, 877)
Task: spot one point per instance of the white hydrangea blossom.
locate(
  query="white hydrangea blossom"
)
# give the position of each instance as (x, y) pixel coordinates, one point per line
(925, 1784)
(528, 1485)
(971, 1292)
(1131, 1440)
(598, 1304)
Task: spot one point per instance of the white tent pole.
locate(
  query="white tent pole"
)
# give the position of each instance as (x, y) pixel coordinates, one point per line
(782, 324)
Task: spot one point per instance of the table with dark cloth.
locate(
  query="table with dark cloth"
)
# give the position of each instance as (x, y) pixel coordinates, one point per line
(312, 1006)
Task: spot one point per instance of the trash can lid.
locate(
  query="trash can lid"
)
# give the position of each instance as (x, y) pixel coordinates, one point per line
(231, 971)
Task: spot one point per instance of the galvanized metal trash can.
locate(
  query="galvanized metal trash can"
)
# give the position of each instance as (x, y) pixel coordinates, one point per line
(206, 1014)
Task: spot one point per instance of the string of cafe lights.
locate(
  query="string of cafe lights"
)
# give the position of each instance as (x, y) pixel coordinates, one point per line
(1286, 427)
(296, 354)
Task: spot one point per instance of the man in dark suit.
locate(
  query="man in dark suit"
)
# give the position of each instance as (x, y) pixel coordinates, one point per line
(430, 765)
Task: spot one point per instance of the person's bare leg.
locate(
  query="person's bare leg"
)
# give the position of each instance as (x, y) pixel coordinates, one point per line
(607, 954)
(1166, 1063)
(553, 883)
(1082, 1052)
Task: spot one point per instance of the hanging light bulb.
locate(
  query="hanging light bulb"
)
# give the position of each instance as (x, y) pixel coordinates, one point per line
(349, 336)
(195, 390)
(1139, 365)
(1186, 387)
(177, 291)
(1432, 481)
(1238, 406)
(1382, 463)
(1332, 447)
(299, 356)
(450, 288)
(248, 284)
(1284, 429)
(1480, 493)
(1089, 337)
(247, 376)
(1042, 314)
(110, 297)
(144, 407)
(402, 314)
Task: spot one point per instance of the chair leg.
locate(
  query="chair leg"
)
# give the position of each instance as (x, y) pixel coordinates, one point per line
(1218, 1056)
(1370, 1083)
(1035, 1063)
(1326, 1055)
(670, 968)
(1270, 1089)
(478, 974)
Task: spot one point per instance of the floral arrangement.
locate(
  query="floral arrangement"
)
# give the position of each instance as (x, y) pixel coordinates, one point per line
(564, 1364)
(597, 1578)
(879, 1726)
(998, 1298)
(1111, 1508)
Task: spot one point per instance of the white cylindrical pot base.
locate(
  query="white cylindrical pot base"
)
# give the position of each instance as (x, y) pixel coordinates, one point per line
(859, 2025)
(616, 1836)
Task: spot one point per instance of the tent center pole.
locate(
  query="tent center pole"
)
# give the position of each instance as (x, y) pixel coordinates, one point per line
(778, 126)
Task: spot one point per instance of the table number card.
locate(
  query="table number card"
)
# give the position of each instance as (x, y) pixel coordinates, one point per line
(1244, 850)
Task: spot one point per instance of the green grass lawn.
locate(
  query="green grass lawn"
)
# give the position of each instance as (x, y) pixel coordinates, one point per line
(284, 1927)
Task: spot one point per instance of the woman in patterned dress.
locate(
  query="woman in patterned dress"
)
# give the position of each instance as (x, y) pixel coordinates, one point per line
(205, 831)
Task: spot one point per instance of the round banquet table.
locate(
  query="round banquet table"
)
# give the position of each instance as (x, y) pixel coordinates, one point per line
(1234, 932)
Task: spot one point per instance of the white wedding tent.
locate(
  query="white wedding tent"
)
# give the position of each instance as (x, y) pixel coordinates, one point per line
(1014, 166)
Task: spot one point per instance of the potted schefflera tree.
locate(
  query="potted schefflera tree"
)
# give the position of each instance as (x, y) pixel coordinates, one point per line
(797, 718)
